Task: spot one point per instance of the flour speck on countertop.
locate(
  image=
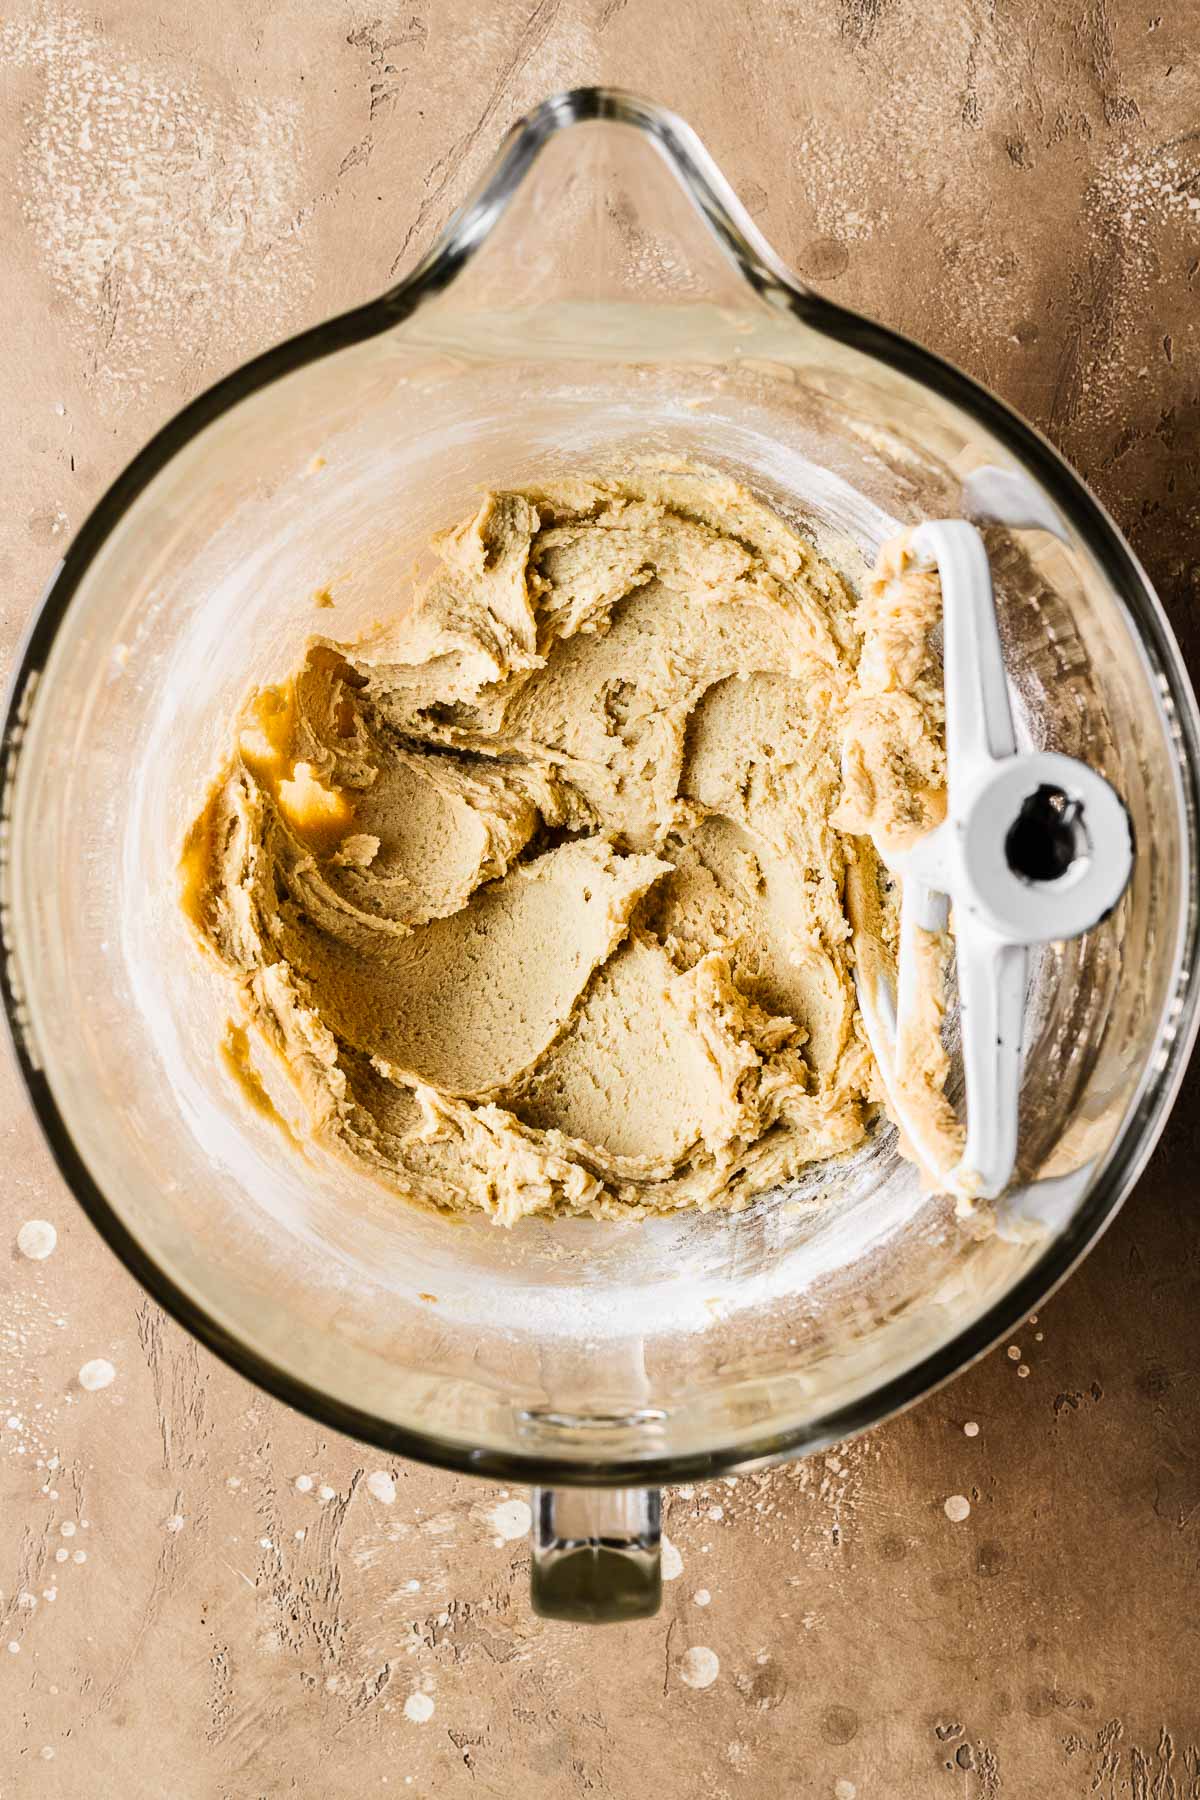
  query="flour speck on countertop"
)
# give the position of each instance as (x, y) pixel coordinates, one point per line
(36, 1239)
(381, 1487)
(699, 1666)
(418, 1708)
(97, 1374)
(507, 1519)
(672, 1561)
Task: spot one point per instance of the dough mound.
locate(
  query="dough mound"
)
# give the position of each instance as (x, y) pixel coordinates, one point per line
(538, 893)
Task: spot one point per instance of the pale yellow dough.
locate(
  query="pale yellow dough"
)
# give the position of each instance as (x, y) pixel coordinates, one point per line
(540, 893)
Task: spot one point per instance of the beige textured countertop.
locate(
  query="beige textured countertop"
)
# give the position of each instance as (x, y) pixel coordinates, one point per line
(1018, 186)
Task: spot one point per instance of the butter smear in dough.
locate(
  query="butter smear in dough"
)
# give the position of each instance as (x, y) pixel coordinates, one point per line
(547, 896)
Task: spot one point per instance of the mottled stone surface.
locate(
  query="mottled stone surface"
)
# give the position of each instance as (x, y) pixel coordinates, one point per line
(1020, 187)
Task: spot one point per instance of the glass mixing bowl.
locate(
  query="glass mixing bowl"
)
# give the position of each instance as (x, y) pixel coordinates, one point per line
(602, 291)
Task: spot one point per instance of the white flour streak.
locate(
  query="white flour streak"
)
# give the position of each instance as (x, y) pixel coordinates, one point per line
(162, 212)
(1135, 194)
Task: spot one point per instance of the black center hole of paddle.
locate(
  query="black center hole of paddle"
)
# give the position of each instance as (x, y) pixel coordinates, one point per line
(1046, 837)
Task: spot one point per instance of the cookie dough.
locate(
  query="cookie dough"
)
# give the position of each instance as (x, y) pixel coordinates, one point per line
(894, 790)
(539, 893)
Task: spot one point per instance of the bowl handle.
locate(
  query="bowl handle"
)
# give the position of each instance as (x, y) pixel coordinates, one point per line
(596, 1554)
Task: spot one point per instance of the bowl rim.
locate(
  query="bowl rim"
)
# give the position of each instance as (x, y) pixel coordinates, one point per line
(778, 286)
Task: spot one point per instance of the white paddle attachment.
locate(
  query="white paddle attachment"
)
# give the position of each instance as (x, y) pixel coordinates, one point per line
(1034, 847)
